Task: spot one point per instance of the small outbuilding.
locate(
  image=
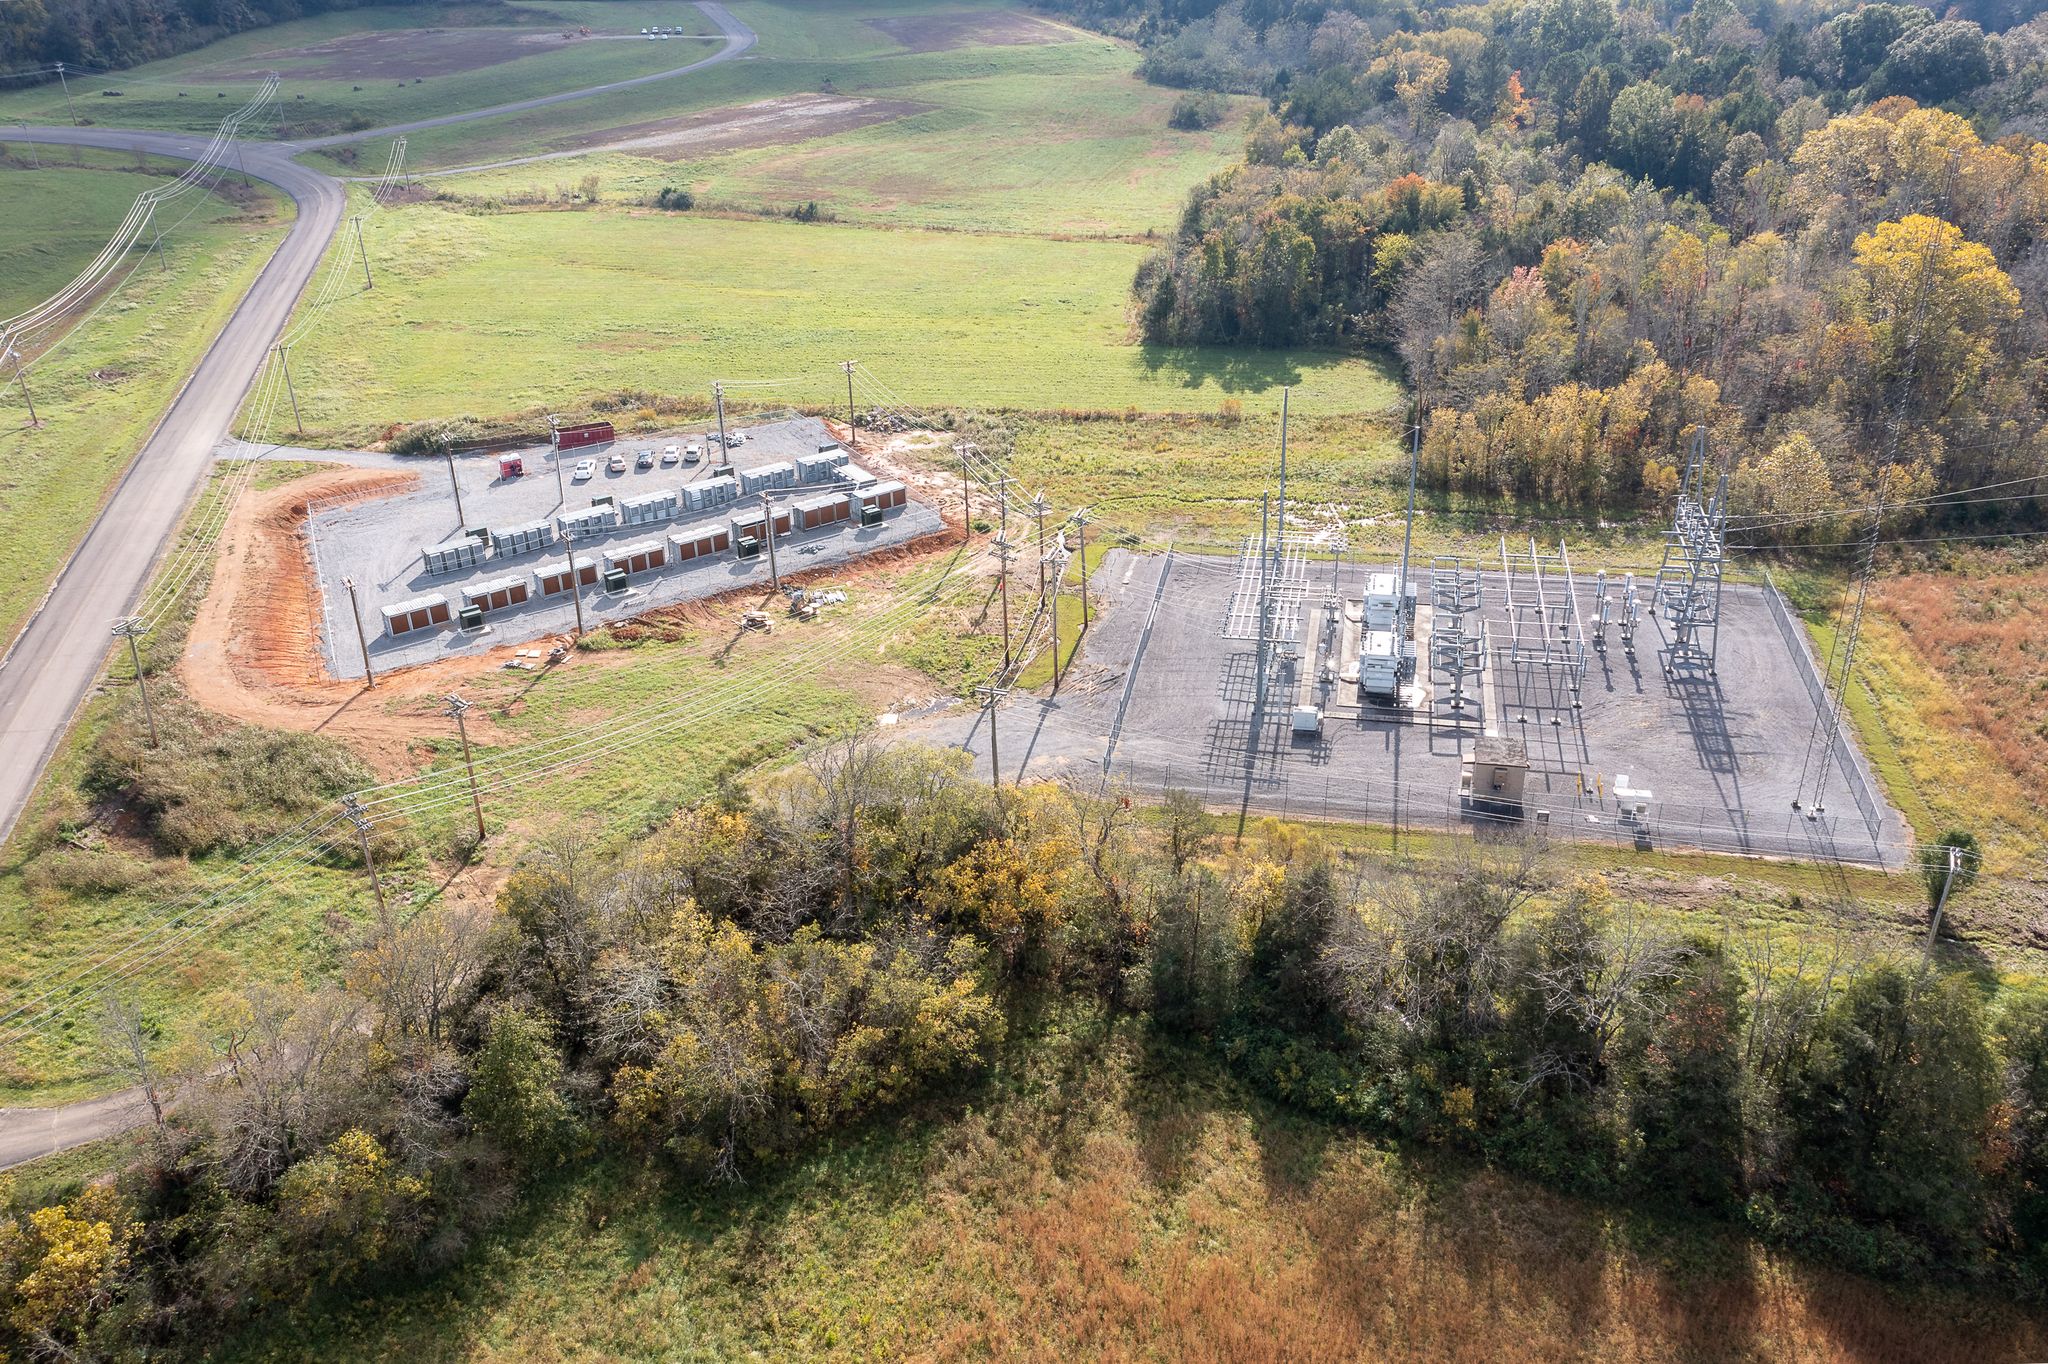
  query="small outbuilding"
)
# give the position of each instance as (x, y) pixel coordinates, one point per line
(554, 577)
(421, 613)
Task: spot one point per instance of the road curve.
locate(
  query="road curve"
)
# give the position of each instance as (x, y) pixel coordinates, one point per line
(738, 38)
(56, 659)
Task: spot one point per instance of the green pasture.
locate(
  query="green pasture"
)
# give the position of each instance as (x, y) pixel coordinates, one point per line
(102, 387)
(835, 48)
(1076, 147)
(327, 93)
(485, 314)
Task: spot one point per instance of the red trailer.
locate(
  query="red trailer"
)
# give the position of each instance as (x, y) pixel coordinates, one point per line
(511, 466)
(591, 433)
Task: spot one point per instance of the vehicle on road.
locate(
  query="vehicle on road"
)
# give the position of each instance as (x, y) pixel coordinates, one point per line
(585, 468)
(646, 460)
(617, 463)
(670, 454)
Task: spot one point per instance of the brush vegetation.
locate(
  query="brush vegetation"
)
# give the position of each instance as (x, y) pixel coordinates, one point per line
(778, 969)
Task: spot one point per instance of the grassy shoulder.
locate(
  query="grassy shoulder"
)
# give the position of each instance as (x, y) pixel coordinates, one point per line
(105, 384)
(1105, 1195)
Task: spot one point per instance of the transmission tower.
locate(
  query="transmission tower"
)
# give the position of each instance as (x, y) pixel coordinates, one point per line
(1688, 587)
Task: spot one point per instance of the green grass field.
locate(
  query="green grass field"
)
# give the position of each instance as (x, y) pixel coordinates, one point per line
(488, 314)
(487, 54)
(994, 103)
(104, 386)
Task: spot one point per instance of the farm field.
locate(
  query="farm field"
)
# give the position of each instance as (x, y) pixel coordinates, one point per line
(1052, 137)
(491, 314)
(103, 387)
(358, 68)
(1104, 1195)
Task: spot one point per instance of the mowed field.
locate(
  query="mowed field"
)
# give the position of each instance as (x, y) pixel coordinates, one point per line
(367, 67)
(979, 119)
(491, 314)
(103, 386)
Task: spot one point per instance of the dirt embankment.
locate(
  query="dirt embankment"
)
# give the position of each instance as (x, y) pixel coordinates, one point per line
(253, 651)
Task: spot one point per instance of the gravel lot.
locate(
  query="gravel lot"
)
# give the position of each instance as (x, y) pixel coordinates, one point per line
(378, 543)
(1161, 699)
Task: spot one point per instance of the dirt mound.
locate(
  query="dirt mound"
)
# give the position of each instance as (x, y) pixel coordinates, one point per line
(969, 28)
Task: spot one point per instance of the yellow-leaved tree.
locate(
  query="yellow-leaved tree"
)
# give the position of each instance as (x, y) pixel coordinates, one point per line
(1935, 302)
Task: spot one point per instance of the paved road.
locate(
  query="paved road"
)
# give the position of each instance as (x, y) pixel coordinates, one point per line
(738, 38)
(56, 660)
(29, 1133)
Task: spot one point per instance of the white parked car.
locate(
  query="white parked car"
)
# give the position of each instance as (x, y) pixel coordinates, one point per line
(617, 463)
(692, 453)
(585, 468)
(670, 454)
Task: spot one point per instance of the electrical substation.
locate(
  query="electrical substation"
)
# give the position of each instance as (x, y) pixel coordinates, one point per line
(1665, 706)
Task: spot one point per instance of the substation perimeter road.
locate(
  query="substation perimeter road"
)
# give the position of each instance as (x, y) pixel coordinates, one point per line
(56, 660)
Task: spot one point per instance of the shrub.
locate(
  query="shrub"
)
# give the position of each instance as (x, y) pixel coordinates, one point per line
(1198, 110)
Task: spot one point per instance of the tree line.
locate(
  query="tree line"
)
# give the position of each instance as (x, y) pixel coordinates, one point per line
(1590, 231)
(777, 962)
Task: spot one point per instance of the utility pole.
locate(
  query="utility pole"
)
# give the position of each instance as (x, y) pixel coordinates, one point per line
(1039, 507)
(1408, 532)
(1056, 626)
(240, 164)
(851, 440)
(768, 529)
(456, 707)
(966, 506)
(67, 94)
(361, 251)
(9, 351)
(355, 609)
(575, 579)
(1004, 553)
(1081, 534)
(555, 439)
(1955, 864)
(989, 696)
(33, 153)
(131, 629)
(718, 397)
(353, 808)
(448, 453)
(285, 361)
